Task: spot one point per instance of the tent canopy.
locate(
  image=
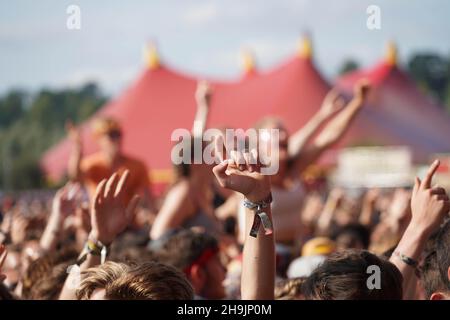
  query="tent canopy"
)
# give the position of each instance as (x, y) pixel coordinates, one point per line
(162, 100)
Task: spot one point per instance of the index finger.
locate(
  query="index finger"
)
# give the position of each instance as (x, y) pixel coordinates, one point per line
(121, 184)
(426, 183)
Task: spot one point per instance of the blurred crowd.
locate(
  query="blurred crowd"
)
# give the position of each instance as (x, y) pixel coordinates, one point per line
(224, 231)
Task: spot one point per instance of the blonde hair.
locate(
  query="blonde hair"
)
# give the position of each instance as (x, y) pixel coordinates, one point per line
(146, 281)
(289, 289)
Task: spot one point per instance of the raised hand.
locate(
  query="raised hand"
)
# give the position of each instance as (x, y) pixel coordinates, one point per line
(361, 89)
(203, 93)
(3, 254)
(111, 213)
(73, 132)
(64, 202)
(332, 103)
(241, 173)
(428, 205)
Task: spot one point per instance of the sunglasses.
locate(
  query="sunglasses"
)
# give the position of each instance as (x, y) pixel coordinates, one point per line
(114, 135)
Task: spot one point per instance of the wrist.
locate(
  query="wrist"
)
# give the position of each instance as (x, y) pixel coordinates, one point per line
(95, 237)
(258, 194)
(418, 230)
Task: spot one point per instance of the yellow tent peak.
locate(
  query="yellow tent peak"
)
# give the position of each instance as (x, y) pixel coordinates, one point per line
(247, 60)
(151, 56)
(305, 47)
(391, 53)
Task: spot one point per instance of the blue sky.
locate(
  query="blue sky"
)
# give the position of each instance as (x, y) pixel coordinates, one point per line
(201, 37)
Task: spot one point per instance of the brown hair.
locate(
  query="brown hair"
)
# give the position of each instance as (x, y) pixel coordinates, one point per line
(289, 289)
(49, 287)
(343, 276)
(41, 270)
(146, 281)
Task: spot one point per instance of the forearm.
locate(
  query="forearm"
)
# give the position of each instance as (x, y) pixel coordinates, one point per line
(73, 280)
(303, 136)
(365, 218)
(50, 237)
(326, 217)
(200, 119)
(410, 245)
(258, 271)
(337, 127)
(74, 165)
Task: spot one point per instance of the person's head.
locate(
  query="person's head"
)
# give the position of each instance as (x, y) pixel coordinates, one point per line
(443, 260)
(275, 123)
(109, 136)
(45, 276)
(146, 281)
(197, 254)
(190, 150)
(431, 279)
(352, 236)
(354, 275)
(50, 285)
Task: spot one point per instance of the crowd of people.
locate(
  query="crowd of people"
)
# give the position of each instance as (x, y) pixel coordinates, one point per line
(225, 230)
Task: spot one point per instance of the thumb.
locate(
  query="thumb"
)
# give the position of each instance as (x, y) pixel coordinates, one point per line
(417, 183)
(219, 171)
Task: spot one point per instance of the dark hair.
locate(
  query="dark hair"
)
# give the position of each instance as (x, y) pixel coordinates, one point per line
(344, 275)
(41, 270)
(5, 293)
(184, 247)
(430, 276)
(356, 231)
(443, 252)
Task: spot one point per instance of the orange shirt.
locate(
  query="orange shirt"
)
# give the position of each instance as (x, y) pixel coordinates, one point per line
(95, 168)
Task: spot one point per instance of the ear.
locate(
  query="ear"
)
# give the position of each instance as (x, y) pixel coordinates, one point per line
(448, 273)
(197, 277)
(437, 296)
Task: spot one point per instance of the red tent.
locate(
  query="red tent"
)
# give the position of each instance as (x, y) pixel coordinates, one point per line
(162, 100)
(397, 112)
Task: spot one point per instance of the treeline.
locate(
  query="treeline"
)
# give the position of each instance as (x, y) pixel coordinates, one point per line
(31, 123)
(431, 72)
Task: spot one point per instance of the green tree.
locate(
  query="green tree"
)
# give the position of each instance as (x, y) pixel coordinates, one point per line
(348, 66)
(432, 73)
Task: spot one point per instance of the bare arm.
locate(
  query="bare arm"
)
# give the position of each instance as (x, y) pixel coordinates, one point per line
(333, 131)
(429, 206)
(203, 98)
(63, 205)
(175, 209)
(326, 217)
(110, 215)
(258, 270)
(74, 165)
(332, 104)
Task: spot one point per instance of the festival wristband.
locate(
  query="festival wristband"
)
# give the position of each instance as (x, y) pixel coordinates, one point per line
(260, 216)
(407, 260)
